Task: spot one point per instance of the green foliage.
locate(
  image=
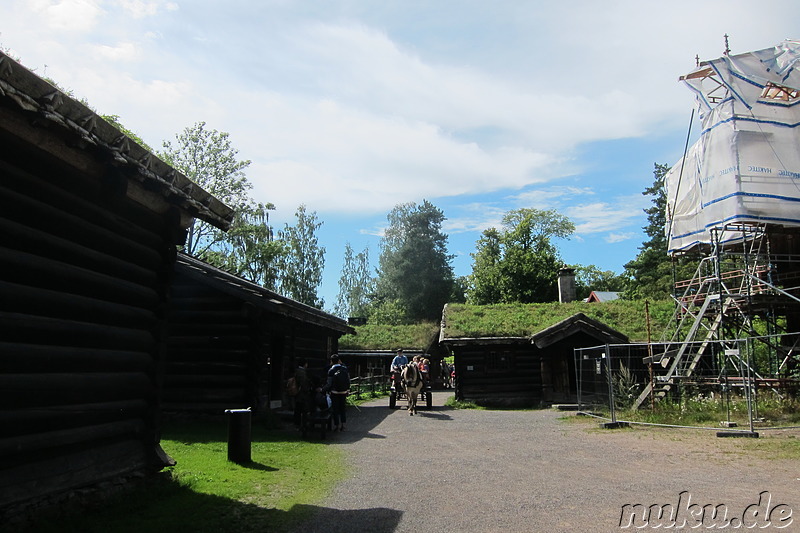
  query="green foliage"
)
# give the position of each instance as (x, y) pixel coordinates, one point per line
(704, 410)
(591, 278)
(653, 272)
(301, 267)
(459, 404)
(114, 121)
(626, 388)
(415, 268)
(355, 284)
(519, 263)
(389, 312)
(521, 320)
(207, 157)
(391, 337)
(249, 250)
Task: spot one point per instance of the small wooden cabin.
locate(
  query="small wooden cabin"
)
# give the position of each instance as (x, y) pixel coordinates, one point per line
(556, 348)
(233, 343)
(525, 371)
(89, 223)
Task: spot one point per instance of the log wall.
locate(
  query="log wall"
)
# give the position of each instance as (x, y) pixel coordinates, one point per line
(498, 374)
(82, 297)
(228, 348)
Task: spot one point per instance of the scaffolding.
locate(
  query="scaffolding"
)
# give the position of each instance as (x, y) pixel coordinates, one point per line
(732, 201)
(738, 307)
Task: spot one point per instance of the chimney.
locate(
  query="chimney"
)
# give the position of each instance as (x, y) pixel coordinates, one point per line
(566, 285)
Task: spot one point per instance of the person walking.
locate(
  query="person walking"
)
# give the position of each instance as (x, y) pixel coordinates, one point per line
(338, 385)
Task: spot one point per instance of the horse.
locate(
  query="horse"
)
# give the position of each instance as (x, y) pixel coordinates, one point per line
(412, 381)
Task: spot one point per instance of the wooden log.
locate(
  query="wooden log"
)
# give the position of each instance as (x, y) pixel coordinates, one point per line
(125, 229)
(16, 327)
(24, 268)
(35, 301)
(42, 241)
(60, 416)
(29, 358)
(68, 437)
(43, 389)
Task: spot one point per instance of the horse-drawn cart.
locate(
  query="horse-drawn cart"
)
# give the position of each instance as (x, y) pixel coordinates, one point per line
(398, 392)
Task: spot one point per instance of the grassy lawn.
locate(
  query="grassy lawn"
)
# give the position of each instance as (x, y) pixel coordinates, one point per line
(206, 492)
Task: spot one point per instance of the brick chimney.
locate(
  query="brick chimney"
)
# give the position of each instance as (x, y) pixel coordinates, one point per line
(566, 285)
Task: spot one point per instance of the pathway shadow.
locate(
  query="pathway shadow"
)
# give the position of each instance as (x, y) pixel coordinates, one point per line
(434, 414)
(374, 520)
(166, 505)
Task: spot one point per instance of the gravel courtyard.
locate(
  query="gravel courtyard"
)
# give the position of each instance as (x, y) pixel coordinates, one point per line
(535, 471)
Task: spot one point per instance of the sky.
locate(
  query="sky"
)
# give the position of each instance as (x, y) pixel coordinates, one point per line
(352, 107)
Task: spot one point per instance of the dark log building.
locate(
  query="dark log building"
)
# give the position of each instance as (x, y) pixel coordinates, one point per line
(233, 344)
(526, 371)
(89, 223)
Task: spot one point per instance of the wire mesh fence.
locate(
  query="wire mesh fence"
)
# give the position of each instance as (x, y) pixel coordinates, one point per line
(741, 383)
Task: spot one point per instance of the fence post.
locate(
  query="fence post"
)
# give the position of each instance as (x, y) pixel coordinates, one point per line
(607, 357)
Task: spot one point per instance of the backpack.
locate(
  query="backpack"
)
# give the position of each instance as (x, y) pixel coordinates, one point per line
(291, 387)
(341, 379)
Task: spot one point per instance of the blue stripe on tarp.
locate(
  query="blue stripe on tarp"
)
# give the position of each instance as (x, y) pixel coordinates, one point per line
(730, 88)
(751, 82)
(748, 119)
(737, 217)
(753, 195)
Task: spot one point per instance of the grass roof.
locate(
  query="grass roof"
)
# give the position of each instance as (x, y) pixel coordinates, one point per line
(522, 320)
(386, 337)
(512, 320)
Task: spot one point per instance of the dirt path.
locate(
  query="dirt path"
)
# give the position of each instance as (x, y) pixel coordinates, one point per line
(532, 471)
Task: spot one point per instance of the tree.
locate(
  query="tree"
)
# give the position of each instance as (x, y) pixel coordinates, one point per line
(302, 266)
(414, 266)
(519, 263)
(355, 284)
(485, 281)
(208, 158)
(591, 278)
(249, 249)
(652, 273)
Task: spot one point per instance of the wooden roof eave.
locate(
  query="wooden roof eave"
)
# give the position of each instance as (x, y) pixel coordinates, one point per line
(259, 296)
(575, 324)
(467, 341)
(50, 108)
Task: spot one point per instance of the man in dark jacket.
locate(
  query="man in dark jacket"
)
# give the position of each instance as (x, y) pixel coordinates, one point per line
(339, 386)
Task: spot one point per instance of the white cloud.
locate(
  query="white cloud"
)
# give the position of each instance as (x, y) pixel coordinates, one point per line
(142, 8)
(121, 52)
(600, 217)
(74, 16)
(612, 238)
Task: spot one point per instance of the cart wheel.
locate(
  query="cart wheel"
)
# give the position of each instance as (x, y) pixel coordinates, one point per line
(392, 400)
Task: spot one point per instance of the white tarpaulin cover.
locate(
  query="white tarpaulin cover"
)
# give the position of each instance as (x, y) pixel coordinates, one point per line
(745, 168)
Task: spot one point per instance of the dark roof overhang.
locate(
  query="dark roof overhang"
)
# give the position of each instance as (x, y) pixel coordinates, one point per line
(258, 296)
(92, 145)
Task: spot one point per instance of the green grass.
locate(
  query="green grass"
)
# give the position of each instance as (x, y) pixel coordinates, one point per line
(456, 404)
(205, 492)
(521, 320)
(387, 337)
(708, 412)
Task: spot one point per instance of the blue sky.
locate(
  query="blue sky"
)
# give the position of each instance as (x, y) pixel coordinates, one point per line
(351, 107)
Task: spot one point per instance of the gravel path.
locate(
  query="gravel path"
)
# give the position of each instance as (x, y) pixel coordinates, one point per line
(531, 471)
